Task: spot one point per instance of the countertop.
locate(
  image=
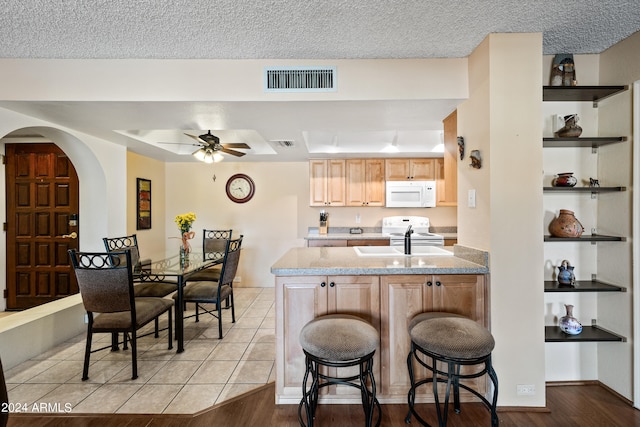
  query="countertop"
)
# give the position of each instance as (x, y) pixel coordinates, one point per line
(345, 261)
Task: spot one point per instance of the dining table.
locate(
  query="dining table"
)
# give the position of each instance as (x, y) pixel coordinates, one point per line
(175, 267)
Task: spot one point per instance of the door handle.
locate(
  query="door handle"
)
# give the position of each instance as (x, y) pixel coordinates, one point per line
(72, 235)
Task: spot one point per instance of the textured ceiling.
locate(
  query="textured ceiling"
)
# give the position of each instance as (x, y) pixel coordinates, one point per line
(284, 29)
(328, 29)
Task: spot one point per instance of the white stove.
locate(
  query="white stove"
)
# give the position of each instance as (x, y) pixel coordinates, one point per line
(396, 226)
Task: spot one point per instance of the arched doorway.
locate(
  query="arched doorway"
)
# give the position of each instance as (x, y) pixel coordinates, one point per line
(42, 203)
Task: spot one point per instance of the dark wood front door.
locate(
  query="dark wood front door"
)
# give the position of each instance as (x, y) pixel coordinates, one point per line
(42, 199)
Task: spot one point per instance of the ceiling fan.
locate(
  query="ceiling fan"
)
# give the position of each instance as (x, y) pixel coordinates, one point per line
(211, 148)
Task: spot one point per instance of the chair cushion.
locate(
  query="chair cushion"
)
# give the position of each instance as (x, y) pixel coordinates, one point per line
(339, 337)
(205, 292)
(147, 309)
(153, 289)
(427, 315)
(211, 274)
(453, 337)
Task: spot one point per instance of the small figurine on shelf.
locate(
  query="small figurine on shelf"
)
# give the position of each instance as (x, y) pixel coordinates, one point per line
(476, 160)
(593, 182)
(565, 274)
(461, 147)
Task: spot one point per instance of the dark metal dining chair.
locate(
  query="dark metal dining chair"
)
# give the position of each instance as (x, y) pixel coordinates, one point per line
(210, 292)
(146, 285)
(213, 246)
(106, 286)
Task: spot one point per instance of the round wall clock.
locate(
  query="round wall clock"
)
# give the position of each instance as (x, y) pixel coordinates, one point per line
(240, 188)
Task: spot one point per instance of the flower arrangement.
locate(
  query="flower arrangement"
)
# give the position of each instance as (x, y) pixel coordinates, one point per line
(185, 221)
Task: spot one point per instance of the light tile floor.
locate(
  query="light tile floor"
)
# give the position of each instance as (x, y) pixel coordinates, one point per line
(209, 371)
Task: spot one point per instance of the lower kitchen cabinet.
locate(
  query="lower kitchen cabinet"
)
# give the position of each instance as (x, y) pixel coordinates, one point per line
(402, 297)
(300, 299)
(388, 302)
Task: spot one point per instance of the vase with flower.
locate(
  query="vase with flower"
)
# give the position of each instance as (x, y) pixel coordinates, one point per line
(184, 222)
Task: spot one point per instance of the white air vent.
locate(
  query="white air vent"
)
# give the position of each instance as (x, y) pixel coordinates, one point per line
(300, 79)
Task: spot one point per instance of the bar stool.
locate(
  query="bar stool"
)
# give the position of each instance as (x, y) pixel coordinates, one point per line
(338, 341)
(455, 341)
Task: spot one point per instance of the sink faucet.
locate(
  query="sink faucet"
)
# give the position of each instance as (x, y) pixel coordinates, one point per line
(407, 241)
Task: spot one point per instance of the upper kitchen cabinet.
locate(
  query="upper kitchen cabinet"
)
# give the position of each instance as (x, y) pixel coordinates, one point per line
(447, 167)
(423, 169)
(327, 182)
(365, 182)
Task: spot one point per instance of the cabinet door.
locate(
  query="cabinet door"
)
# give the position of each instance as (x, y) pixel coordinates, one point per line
(356, 182)
(336, 182)
(461, 294)
(402, 297)
(375, 185)
(397, 169)
(317, 182)
(423, 169)
(358, 296)
(303, 299)
(447, 191)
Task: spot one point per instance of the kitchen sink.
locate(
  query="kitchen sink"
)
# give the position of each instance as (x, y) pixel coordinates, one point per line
(399, 251)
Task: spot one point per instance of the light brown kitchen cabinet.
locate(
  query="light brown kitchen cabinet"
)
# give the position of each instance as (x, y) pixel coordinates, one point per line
(388, 302)
(404, 296)
(327, 182)
(300, 299)
(447, 167)
(422, 169)
(346, 242)
(365, 182)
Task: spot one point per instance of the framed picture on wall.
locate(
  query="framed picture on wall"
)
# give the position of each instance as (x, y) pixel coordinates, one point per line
(143, 204)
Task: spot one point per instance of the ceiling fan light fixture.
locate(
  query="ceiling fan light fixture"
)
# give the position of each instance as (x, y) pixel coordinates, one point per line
(199, 154)
(217, 157)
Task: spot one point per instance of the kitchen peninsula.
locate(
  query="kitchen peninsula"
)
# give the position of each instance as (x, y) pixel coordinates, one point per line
(384, 289)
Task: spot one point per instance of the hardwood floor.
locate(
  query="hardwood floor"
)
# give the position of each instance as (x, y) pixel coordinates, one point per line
(567, 406)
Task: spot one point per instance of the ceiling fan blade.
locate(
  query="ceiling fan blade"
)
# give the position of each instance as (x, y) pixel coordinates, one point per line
(232, 152)
(197, 138)
(180, 143)
(236, 145)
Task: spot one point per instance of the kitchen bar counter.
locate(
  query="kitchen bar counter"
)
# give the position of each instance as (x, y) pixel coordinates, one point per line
(386, 291)
(345, 261)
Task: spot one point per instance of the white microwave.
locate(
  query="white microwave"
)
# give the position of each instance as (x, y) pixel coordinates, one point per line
(411, 194)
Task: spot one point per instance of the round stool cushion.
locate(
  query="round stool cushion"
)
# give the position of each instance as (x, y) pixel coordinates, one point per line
(453, 337)
(428, 315)
(339, 337)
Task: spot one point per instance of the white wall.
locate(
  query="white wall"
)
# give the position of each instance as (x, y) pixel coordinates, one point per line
(502, 119)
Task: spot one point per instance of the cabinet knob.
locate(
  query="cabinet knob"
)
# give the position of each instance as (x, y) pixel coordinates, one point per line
(429, 283)
(331, 285)
(438, 284)
(323, 284)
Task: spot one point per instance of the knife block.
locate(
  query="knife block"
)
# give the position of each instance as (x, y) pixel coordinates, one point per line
(322, 229)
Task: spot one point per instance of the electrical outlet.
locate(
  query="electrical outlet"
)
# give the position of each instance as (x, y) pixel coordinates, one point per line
(86, 318)
(526, 389)
(237, 279)
(357, 218)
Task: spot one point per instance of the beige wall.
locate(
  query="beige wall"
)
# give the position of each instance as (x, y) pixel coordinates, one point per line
(502, 119)
(154, 170)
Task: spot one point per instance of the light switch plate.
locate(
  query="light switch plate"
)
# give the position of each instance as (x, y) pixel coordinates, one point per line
(471, 199)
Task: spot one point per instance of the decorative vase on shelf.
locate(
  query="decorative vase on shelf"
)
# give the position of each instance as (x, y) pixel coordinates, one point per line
(565, 179)
(565, 273)
(566, 225)
(570, 128)
(569, 324)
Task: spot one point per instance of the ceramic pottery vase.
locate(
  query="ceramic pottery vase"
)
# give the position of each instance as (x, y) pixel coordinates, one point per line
(570, 128)
(565, 273)
(569, 324)
(566, 225)
(565, 180)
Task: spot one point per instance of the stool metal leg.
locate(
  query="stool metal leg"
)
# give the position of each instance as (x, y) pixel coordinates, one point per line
(494, 403)
(309, 396)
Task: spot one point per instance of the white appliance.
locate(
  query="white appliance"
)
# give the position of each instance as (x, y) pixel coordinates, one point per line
(411, 194)
(396, 226)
